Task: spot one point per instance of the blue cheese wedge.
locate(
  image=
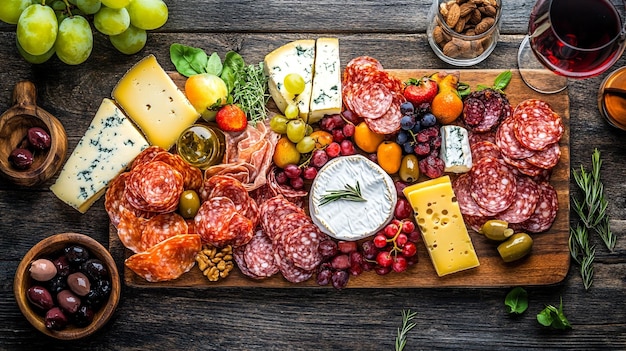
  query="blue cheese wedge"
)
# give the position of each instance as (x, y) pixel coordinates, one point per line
(326, 90)
(351, 220)
(295, 57)
(110, 143)
(455, 149)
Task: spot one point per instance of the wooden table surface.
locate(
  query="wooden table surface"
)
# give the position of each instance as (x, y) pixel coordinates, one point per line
(307, 318)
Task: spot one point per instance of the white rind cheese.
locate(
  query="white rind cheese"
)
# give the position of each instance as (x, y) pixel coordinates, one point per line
(326, 91)
(455, 149)
(350, 220)
(110, 143)
(295, 57)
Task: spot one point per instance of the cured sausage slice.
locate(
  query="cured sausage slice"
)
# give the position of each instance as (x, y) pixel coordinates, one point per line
(536, 128)
(523, 166)
(526, 198)
(301, 246)
(461, 187)
(213, 216)
(114, 197)
(476, 222)
(389, 123)
(493, 111)
(130, 230)
(166, 260)
(473, 109)
(493, 184)
(484, 149)
(478, 137)
(545, 211)
(547, 158)
(161, 227)
(147, 155)
(287, 268)
(238, 232)
(273, 212)
(507, 142)
(372, 100)
(238, 256)
(259, 256)
(155, 187)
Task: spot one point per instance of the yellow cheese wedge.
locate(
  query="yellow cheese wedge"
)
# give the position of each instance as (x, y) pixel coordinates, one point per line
(151, 99)
(444, 233)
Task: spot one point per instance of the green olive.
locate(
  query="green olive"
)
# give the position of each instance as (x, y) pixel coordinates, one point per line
(188, 204)
(515, 247)
(496, 229)
(409, 168)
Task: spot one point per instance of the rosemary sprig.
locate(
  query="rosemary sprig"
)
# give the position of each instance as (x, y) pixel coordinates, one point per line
(592, 209)
(407, 325)
(583, 253)
(349, 193)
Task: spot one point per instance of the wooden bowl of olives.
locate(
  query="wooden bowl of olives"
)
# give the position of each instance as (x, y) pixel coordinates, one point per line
(67, 286)
(33, 143)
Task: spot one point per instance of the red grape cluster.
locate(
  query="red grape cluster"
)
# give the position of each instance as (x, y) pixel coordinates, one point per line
(342, 131)
(392, 249)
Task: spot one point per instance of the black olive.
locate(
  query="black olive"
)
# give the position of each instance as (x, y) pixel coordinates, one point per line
(39, 138)
(57, 284)
(21, 158)
(83, 316)
(76, 254)
(94, 269)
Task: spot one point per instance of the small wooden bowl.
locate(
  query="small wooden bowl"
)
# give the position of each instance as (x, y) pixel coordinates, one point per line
(48, 247)
(14, 124)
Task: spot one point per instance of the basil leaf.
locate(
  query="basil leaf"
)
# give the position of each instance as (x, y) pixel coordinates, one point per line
(502, 80)
(188, 60)
(553, 317)
(234, 61)
(517, 300)
(545, 317)
(214, 65)
(229, 77)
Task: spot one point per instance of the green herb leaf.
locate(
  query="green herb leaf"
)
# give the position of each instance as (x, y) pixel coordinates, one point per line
(502, 80)
(517, 300)
(553, 317)
(214, 65)
(463, 89)
(407, 325)
(349, 193)
(188, 60)
(250, 92)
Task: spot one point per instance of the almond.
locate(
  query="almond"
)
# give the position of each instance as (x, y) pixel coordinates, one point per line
(460, 25)
(467, 8)
(488, 11)
(484, 25)
(475, 17)
(454, 13)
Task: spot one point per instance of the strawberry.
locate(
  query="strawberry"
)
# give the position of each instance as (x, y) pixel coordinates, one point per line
(420, 91)
(231, 118)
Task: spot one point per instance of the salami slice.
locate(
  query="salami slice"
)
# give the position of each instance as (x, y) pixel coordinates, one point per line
(389, 123)
(273, 211)
(147, 155)
(212, 218)
(547, 158)
(114, 197)
(545, 211)
(478, 137)
(523, 166)
(493, 111)
(526, 198)
(473, 111)
(461, 187)
(507, 142)
(484, 149)
(532, 103)
(372, 100)
(476, 222)
(154, 186)
(287, 268)
(130, 230)
(536, 128)
(192, 176)
(238, 257)
(238, 232)
(167, 260)
(301, 246)
(161, 227)
(259, 256)
(493, 185)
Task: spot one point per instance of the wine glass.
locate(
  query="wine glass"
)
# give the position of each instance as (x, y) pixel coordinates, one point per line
(572, 38)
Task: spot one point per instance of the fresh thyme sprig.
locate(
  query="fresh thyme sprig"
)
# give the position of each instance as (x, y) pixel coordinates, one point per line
(592, 209)
(349, 193)
(250, 91)
(407, 325)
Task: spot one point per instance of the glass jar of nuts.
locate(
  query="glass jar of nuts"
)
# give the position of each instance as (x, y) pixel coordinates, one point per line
(464, 32)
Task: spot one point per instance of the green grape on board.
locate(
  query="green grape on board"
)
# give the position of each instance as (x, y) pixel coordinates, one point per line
(37, 29)
(75, 40)
(10, 10)
(115, 4)
(89, 7)
(130, 41)
(148, 14)
(36, 59)
(111, 21)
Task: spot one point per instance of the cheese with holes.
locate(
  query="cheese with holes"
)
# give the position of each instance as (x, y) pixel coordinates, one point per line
(326, 90)
(109, 145)
(352, 220)
(152, 100)
(295, 57)
(455, 149)
(439, 218)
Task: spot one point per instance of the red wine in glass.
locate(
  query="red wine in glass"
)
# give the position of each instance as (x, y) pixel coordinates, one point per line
(573, 38)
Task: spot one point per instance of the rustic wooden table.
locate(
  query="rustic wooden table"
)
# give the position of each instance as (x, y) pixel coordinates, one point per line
(306, 318)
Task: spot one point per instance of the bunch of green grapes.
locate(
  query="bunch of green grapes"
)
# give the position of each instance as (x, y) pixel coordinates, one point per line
(62, 27)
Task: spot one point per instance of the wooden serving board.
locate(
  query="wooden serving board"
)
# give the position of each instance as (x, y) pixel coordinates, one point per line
(547, 264)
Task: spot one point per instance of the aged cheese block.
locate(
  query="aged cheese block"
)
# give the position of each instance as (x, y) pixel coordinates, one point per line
(110, 143)
(444, 233)
(350, 220)
(152, 100)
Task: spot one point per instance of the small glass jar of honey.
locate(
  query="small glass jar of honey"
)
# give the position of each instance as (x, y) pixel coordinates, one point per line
(612, 98)
(201, 145)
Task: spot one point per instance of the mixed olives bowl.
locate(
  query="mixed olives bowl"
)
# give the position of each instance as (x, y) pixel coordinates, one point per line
(67, 286)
